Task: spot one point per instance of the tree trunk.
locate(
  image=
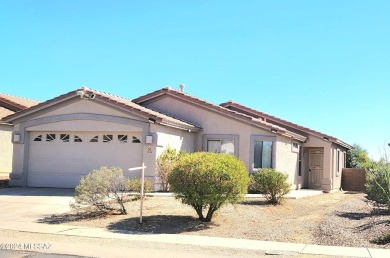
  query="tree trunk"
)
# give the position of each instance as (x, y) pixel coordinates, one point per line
(210, 213)
(199, 211)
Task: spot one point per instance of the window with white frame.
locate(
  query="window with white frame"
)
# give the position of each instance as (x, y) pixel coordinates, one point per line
(64, 137)
(337, 162)
(221, 143)
(262, 152)
(107, 138)
(50, 137)
(221, 146)
(122, 138)
(136, 140)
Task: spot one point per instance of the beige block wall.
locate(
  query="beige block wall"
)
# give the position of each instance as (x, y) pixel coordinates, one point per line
(6, 150)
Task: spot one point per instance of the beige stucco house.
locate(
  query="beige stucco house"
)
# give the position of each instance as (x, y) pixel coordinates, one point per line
(8, 106)
(60, 140)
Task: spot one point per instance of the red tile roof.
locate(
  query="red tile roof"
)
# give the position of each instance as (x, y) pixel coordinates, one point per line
(10, 104)
(275, 120)
(216, 108)
(118, 102)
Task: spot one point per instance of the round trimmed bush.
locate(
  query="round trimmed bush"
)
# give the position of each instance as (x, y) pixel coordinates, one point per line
(273, 184)
(207, 181)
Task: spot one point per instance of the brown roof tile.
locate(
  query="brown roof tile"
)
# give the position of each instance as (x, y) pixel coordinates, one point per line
(17, 102)
(275, 120)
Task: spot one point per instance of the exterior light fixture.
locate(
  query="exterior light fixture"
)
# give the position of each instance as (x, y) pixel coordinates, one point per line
(274, 130)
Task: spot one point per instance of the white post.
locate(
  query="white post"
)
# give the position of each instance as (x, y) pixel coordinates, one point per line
(142, 188)
(142, 192)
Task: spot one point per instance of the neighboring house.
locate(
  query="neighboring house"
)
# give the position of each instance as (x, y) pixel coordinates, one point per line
(8, 106)
(62, 139)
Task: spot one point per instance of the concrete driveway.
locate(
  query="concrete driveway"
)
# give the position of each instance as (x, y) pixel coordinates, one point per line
(30, 204)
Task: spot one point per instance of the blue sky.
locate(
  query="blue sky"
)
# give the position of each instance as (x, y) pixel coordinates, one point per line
(321, 64)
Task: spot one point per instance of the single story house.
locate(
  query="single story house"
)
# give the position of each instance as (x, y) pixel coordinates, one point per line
(8, 106)
(59, 141)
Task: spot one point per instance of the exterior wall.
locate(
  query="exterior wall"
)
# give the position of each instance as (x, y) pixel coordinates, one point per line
(162, 138)
(287, 161)
(6, 150)
(337, 174)
(213, 123)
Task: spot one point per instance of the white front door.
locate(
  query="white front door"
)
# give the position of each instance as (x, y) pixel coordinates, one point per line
(316, 166)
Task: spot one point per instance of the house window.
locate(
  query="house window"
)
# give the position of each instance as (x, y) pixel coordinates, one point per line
(295, 147)
(345, 159)
(50, 137)
(262, 154)
(300, 154)
(136, 140)
(221, 143)
(95, 139)
(338, 162)
(77, 139)
(64, 137)
(122, 138)
(38, 138)
(221, 146)
(107, 137)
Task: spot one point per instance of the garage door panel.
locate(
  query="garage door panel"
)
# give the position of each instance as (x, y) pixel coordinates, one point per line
(62, 164)
(54, 180)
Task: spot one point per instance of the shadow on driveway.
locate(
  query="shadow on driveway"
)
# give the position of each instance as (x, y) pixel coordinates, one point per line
(27, 191)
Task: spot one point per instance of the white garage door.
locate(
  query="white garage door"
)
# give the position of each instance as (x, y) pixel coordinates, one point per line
(60, 159)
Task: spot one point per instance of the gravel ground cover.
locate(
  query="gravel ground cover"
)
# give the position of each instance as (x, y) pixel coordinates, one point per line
(340, 218)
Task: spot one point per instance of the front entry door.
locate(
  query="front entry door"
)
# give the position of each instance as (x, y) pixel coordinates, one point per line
(316, 164)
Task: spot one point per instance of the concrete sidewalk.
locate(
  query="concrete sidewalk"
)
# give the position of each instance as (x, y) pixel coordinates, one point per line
(267, 246)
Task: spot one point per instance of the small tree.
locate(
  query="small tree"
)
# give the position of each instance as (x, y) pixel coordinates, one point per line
(357, 157)
(135, 185)
(101, 186)
(165, 164)
(378, 182)
(207, 181)
(272, 184)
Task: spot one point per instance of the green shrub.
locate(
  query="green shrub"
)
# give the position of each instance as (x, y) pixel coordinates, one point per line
(252, 189)
(207, 181)
(383, 240)
(100, 187)
(134, 185)
(272, 184)
(378, 183)
(165, 164)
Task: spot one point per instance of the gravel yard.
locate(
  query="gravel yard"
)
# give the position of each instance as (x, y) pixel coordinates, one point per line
(340, 218)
